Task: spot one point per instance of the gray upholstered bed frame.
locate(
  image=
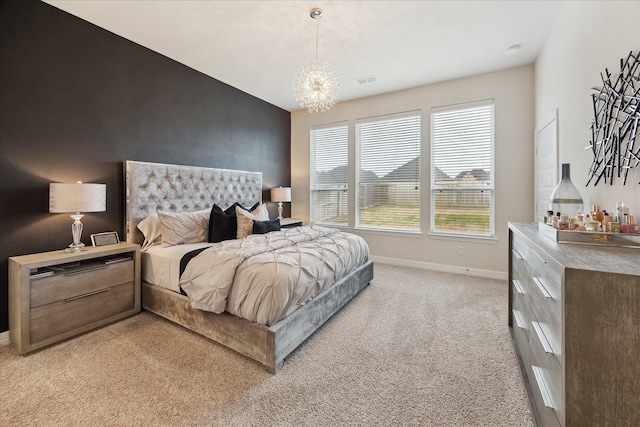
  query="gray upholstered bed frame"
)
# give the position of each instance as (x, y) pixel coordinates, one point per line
(153, 186)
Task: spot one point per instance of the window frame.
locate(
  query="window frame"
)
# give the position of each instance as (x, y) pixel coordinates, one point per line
(491, 189)
(358, 161)
(343, 126)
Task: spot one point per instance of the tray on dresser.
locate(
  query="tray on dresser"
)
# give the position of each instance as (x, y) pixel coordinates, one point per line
(590, 238)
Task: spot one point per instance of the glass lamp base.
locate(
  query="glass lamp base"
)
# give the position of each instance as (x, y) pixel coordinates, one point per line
(76, 231)
(76, 247)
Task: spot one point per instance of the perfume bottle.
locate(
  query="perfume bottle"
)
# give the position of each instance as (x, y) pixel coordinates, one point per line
(565, 197)
(606, 220)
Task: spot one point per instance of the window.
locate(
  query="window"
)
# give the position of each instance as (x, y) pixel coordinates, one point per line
(388, 172)
(329, 175)
(462, 189)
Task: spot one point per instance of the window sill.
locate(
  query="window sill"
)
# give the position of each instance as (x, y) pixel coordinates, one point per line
(465, 238)
(403, 233)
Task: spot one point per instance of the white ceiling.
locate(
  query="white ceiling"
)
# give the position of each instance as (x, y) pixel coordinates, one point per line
(257, 46)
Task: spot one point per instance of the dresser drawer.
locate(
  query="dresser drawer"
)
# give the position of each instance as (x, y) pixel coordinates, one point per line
(519, 296)
(520, 336)
(53, 319)
(83, 280)
(519, 280)
(520, 249)
(548, 416)
(547, 376)
(539, 265)
(548, 279)
(548, 316)
(521, 321)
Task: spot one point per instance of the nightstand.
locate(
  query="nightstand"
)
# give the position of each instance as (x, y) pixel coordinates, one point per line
(290, 222)
(57, 295)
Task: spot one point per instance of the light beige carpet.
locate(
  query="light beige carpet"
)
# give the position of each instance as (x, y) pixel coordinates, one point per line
(415, 348)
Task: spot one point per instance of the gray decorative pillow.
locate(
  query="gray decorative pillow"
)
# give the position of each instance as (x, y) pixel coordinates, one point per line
(184, 227)
(245, 219)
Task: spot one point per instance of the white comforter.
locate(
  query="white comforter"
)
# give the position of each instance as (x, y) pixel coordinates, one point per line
(264, 277)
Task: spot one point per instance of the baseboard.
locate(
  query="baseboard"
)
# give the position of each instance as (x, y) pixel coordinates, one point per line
(4, 338)
(475, 272)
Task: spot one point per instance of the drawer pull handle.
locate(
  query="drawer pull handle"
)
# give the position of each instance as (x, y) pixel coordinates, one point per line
(543, 340)
(516, 316)
(542, 288)
(517, 255)
(85, 270)
(546, 397)
(539, 257)
(88, 294)
(516, 284)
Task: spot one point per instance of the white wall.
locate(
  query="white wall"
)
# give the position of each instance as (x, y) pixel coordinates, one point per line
(513, 94)
(587, 37)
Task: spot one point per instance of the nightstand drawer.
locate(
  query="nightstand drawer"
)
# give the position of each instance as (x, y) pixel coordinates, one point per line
(84, 280)
(53, 319)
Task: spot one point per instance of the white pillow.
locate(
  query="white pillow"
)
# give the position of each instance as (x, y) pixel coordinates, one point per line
(184, 227)
(245, 219)
(151, 230)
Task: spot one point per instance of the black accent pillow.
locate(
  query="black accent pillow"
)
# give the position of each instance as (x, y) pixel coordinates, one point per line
(223, 224)
(263, 227)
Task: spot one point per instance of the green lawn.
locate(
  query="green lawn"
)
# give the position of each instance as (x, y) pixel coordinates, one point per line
(472, 218)
(406, 217)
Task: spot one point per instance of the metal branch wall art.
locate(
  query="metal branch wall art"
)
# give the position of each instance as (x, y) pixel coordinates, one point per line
(616, 124)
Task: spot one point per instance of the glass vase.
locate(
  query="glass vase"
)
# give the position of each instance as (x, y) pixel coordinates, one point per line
(566, 198)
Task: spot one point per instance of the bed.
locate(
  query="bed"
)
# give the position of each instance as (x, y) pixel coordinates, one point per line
(154, 187)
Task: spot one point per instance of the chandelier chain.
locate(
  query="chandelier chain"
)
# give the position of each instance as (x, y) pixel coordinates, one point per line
(317, 34)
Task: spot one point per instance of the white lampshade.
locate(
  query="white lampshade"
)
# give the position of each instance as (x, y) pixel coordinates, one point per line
(281, 194)
(77, 197)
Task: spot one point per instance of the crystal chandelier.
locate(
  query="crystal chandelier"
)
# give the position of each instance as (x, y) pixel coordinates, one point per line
(316, 86)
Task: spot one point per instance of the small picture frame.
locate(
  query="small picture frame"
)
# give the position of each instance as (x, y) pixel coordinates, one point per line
(103, 239)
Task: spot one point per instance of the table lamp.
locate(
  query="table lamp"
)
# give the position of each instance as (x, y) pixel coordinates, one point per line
(78, 197)
(280, 194)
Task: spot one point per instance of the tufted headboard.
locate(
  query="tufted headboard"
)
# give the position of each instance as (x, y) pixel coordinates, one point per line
(175, 188)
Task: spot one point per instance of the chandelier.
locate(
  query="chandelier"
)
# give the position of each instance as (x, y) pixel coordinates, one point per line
(316, 86)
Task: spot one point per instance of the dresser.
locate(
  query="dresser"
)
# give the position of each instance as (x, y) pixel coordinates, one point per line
(57, 295)
(574, 315)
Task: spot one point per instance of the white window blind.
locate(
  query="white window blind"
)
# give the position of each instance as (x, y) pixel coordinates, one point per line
(329, 175)
(388, 172)
(462, 175)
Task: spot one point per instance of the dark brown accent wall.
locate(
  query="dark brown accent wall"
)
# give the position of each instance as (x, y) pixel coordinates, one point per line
(77, 100)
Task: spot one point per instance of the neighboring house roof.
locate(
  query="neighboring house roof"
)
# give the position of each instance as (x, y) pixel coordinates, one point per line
(440, 175)
(409, 172)
(368, 176)
(337, 175)
(478, 174)
(340, 175)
